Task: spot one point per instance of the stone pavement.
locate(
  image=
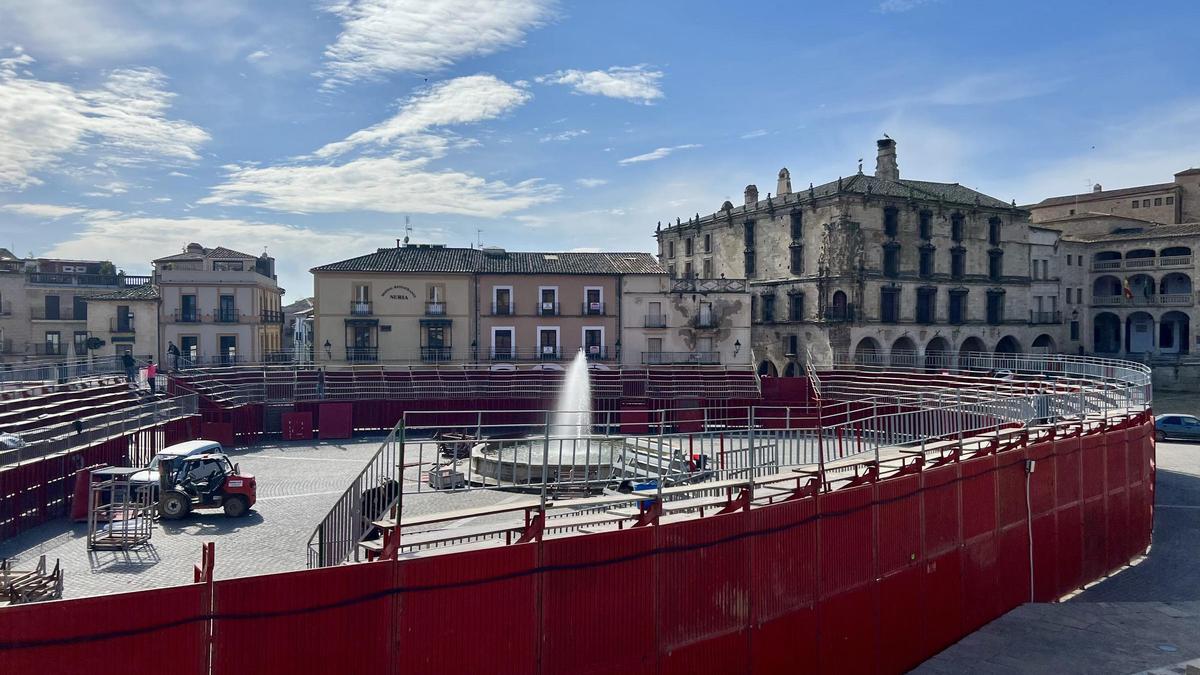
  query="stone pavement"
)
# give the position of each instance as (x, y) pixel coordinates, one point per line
(297, 484)
(1146, 617)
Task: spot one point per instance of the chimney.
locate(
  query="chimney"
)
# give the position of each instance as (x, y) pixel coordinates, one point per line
(885, 164)
(1097, 188)
(784, 186)
(751, 195)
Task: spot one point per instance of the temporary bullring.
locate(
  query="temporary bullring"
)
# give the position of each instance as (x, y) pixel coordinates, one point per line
(858, 519)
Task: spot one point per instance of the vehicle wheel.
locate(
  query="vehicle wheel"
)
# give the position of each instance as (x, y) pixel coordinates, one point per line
(236, 507)
(174, 505)
(1160, 436)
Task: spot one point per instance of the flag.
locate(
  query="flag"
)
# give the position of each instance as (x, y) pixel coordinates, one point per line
(1127, 290)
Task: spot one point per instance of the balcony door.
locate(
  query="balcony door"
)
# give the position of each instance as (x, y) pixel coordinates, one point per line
(187, 307)
(593, 301)
(52, 307)
(227, 345)
(502, 300)
(549, 301)
(548, 343)
(706, 315)
(360, 300)
(502, 343)
(228, 311)
(593, 343)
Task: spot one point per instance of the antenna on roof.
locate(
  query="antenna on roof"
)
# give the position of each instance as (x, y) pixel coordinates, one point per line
(407, 229)
(479, 237)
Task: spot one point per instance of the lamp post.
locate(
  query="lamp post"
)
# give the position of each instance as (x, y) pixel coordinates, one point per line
(328, 350)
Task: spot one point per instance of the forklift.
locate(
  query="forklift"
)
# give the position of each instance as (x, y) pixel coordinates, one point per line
(204, 481)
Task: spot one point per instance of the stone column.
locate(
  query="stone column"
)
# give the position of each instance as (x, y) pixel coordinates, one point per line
(1154, 337)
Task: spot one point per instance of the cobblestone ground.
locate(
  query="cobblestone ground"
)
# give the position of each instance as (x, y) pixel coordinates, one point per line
(297, 484)
(1144, 617)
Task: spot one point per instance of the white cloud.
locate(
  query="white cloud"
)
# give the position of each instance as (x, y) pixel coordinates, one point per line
(258, 55)
(657, 153)
(462, 100)
(754, 134)
(899, 6)
(41, 122)
(52, 211)
(564, 135)
(591, 182)
(383, 184)
(635, 83)
(423, 36)
(77, 31)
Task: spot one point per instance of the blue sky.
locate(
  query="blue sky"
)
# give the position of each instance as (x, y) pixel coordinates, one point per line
(130, 127)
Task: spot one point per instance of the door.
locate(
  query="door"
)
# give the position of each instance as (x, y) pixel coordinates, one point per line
(706, 314)
(187, 308)
(52, 307)
(53, 343)
(1189, 427)
(592, 300)
(549, 306)
(653, 355)
(189, 348)
(503, 304)
(228, 312)
(593, 343)
(502, 344)
(360, 301)
(548, 343)
(227, 344)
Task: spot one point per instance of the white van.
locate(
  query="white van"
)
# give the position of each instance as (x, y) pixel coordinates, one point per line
(149, 475)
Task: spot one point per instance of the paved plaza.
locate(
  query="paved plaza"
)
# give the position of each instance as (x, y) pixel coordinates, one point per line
(297, 484)
(1142, 618)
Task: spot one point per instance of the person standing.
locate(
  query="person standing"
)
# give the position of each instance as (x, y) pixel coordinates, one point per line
(130, 367)
(173, 352)
(151, 372)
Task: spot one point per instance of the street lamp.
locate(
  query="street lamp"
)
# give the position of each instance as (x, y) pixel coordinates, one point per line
(328, 350)
(737, 347)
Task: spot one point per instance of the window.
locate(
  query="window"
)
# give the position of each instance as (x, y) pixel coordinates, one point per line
(708, 268)
(926, 305)
(926, 268)
(688, 272)
(1145, 203)
(593, 300)
(79, 308)
(958, 306)
(748, 233)
(889, 304)
(995, 306)
(1075, 330)
(708, 243)
(1069, 260)
(797, 226)
(548, 343)
(671, 249)
(1079, 295)
(1158, 201)
(958, 263)
(187, 309)
(654, 345)
(124, 320)
(436, 345)
(502, 300)
(749, 263)
(926, 225)
(654, 315)
(891, 259)
(796, 307)
(1072, 212)
(227, 266)
(891, 222)
(53, 343)
(792, 345)
(502, 343)
(994, 231)
(687, 246)
(548, 300)
(593, 343)
(768, 308)
(956, 227)
(671, 270)
(51, 305)
(80, 337)
(1170, 200)
(995, 265)
(797, 259)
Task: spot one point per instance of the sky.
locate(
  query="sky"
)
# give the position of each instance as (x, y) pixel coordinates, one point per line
(322, 130)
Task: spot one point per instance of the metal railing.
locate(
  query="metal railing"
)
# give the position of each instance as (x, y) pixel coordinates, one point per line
(547, 309)
(1036, 317)
(656, 321)
(227, 315)
(504, 308)
(186, 316)
(41, 313)
(669, 358)
(361, 308)
(1142, 263)
(435, 309)
(1142, 300)
(119, 325)
(592, 309)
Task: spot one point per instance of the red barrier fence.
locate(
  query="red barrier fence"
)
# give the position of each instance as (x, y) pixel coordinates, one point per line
(870, 579)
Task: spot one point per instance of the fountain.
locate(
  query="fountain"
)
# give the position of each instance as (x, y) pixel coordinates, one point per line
(573, 410)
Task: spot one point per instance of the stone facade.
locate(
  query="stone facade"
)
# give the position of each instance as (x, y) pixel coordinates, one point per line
(126, 321)
(684, 321)
(1166, 203)
(878, 267)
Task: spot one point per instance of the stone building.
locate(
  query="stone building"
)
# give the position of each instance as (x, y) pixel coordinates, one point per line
(125, 320)
(1168, 203)
(879, 267)
(430, 303)
(219, 305)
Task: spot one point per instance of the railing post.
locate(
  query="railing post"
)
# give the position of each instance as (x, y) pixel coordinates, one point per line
(753, 454)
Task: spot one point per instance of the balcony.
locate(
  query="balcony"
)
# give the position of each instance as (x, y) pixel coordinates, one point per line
(435, 353)
(5, 308)
(1175, 261)
(702, 321)
(362, 354)
(227, 315)
(120, 325)
(549, 353)
(548, 309)
(656, 321)
(596, 352)
(1102, 265)
(592, 309)
(708, 286)
(673, 358)
(435, 309)
(186, 316)
(63, 314)
(271, 316)
(503, 309)
(361, 308)
(1036, 317)
(46, 349)
(1140, 300)
(1142, 263)
(6, 346)
(839, 314)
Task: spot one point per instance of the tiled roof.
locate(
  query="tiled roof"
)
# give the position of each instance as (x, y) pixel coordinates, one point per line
(468, 261)
(1059, 223)
(143, 292)
(1103, 194)
(1146, 232)
(218, 252)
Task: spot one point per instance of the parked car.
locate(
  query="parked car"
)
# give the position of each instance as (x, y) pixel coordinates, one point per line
(149, 475)
(11, 442)
(1177, 426)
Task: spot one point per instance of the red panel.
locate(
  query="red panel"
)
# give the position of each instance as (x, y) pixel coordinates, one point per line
(297, 426)
(1116, 452)
(981, 601)
(1140, 521)
(1070, 549)
(690, 419)
(702, 592)
(1044, 477)
(1010, 478)
(902, 640)
(899, 514)
(1092, 459)
(1066, 470)
(848, 631)
(439, 628)
(1045, 558)
(150, 628)
(978, 496)
(635, 419)
(1012, 566)
(940, 488)
(846, 539)
(221, 432)
(335, 420)
(591, 605)
(1095, 559)
(1119, 532)
(786, 645)
(783, 556)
